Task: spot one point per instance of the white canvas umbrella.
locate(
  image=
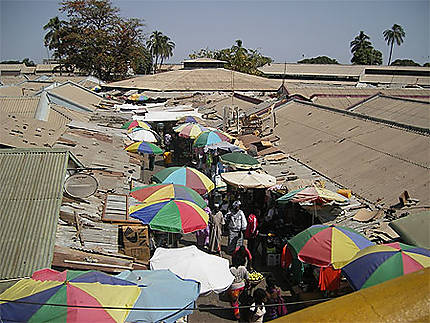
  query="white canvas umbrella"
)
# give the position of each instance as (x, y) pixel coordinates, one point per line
(211, 271)
(249, 179)
(143, 135)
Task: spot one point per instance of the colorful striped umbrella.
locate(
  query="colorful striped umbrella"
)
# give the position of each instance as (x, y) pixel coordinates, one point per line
(211, 137)
(379, 263)
(158, 192)
(144, 135)
(325, 245)
(162, 289)
(177, 216)
(188, 119)
(240, 160)
(189, 130)
(144, 147)
(312, 194)
(187, 176)
(136, 124)
(28, 299)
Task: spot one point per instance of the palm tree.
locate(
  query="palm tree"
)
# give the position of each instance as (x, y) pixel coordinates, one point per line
(360, 42)
(52, 39)
(154, 45)
(167, 47)
(395, 34)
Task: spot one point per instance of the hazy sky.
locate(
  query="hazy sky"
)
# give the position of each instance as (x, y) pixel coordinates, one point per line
(283, 30)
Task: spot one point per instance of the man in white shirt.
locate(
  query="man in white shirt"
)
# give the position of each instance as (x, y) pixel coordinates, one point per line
(236, 225)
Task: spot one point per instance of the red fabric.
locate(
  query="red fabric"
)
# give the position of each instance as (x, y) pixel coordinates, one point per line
(50, 274)
(234, 300)
(317, 251)
(248, 253)
(286, 257)
(77, 297)
(329, 278)
(251, 227)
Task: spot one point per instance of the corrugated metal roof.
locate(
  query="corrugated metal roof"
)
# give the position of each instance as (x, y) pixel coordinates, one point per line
(32, 190)
(312, 69)
(395, 79)
(206, 79)
(22, 106)
(11, 67)
(409, 112)
(337, 102)
(46, 67)
(77, 94)
(375, 160)
(21, 132)
(10, 91)
(203, 60)
(311, 92)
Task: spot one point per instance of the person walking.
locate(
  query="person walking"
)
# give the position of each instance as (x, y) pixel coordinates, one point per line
(216, 222)
(202, 236)
(241, 277)
(236, 225)
(258, 309)
(151, 161)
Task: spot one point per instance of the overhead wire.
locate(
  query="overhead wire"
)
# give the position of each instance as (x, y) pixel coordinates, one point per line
(160, 309)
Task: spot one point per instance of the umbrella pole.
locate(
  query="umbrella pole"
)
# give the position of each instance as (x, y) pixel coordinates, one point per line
(314, 214)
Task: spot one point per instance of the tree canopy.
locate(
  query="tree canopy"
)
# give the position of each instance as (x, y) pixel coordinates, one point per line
(363, 52)
(95, 39)
(238, 58)
(25, 61)
(404, 62)
(394, 35)
(160, 46)
(319, 60)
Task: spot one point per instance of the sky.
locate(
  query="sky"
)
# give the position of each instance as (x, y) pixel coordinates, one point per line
(286, 31)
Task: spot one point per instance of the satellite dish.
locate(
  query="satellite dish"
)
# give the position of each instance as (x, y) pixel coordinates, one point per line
(81, 185)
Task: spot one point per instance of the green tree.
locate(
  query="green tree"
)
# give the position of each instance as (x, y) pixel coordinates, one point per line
(394, 35)
(95, 39)
(360, 42)
(426, 64)
(238, 58)
(28, 62)
(404, 62)
(154, 44)
(25, 61)
(363, 52)
(52, 39)
(318, 60)
(367, 56)
(167, 47)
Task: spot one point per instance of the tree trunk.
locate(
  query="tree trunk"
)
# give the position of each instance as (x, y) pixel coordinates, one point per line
(391, 51)
(155, 65)
(161, 62)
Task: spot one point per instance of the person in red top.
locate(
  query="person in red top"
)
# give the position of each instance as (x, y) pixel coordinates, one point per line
(243, 255)
(251, 231)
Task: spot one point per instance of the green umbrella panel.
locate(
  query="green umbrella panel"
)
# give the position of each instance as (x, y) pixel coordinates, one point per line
(240, 160)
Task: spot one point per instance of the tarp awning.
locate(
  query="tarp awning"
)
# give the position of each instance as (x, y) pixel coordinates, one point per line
(414, 229)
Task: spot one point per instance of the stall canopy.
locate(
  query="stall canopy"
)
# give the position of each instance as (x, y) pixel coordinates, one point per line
(414, 229)
(249, 179)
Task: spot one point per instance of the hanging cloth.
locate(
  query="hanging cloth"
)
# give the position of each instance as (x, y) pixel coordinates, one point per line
(329, 279)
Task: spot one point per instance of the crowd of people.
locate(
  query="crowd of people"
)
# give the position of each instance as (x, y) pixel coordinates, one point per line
(240, 222)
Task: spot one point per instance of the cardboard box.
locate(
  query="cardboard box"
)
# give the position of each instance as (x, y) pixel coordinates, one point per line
(135, 239)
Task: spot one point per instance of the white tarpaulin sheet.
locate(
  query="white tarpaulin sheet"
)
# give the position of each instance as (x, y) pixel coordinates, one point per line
(211, 271)
(168, 115)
